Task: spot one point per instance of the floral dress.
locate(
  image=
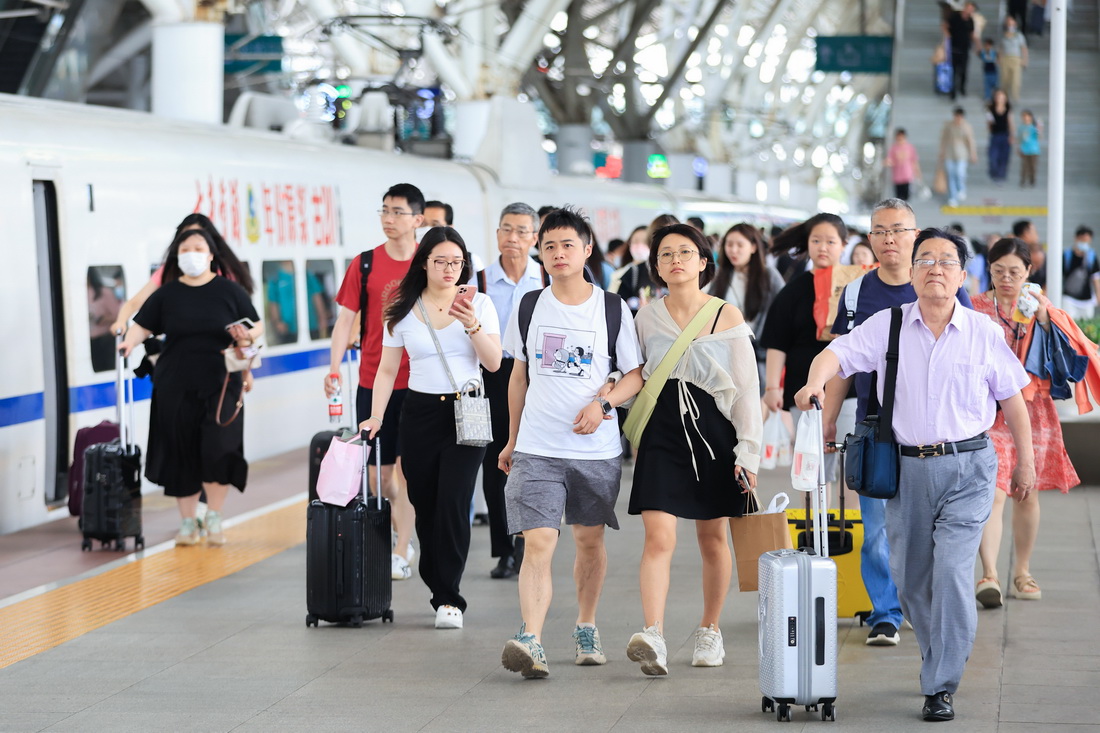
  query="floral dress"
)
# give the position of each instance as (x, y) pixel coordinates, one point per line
(1053, 469)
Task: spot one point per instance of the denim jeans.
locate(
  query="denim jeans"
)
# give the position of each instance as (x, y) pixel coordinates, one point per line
(999, 152)
(956, 178)
(990, 84)
(875, 564)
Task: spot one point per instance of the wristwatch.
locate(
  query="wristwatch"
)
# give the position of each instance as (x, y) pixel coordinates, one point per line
(605, 405)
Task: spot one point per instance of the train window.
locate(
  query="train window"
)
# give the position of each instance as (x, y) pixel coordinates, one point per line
(280, 304)
(320, 297)
(106, 294)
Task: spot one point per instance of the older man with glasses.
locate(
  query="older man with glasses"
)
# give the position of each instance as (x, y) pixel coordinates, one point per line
(954, 369)
(893, 232)
(506, 280)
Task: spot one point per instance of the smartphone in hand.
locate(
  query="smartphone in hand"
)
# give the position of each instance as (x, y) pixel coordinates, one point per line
(242, 322)
(742, 479)
(465, 294)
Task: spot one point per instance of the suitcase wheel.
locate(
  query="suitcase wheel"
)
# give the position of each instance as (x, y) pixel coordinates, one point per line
(86, 545)
(766, 705)
(311, 620)
(828, 712)
(139, 543)
(783, 713)
(357, 622)
(387, 615)
(120, 545)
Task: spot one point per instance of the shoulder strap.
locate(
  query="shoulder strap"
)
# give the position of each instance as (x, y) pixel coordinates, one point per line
(657, 379)
(366, 259)
(481, 281)
(526, 310)
(613, 313)
(851, 300)
(886, 417)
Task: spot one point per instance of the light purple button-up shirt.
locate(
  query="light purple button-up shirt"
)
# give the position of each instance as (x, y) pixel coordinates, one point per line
(947, 389)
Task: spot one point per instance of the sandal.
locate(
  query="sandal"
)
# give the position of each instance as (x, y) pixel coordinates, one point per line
(1026, 588)
(989, 593)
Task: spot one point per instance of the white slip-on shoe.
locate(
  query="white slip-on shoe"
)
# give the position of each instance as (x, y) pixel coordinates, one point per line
(448, 617)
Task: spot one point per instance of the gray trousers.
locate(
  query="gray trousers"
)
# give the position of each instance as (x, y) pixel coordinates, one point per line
(934, 525)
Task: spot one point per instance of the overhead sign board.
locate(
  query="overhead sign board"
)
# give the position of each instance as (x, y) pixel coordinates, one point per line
(855, 54)
(260, 55)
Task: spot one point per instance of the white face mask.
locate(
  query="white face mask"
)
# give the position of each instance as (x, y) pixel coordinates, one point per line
(194, 264)
(1081, 245)
(640, 252)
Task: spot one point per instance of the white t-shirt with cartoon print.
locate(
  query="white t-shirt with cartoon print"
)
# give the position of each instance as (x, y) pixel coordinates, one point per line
(567, 348)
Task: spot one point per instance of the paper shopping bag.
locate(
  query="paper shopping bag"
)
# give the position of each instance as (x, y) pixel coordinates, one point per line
(341, 476)
(755, 534)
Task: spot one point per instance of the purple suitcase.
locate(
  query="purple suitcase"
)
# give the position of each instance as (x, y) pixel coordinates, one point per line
(105, 432)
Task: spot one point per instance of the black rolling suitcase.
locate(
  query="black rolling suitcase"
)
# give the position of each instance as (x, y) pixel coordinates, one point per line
(111, 511)
(348, 557)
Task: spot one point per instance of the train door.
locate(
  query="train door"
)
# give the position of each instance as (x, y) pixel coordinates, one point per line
(55, 395)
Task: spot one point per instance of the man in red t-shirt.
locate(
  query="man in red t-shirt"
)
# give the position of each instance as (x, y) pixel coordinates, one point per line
(402, 213)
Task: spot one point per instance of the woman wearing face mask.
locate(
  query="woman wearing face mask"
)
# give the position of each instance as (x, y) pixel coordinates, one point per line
(188, 451)
(745, 280)
(1009, 266)
(636, 286)
(790, 337)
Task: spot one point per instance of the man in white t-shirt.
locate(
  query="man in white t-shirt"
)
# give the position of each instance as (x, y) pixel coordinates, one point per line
(563, 451)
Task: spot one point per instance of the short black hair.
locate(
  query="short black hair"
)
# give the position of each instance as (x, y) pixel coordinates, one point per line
(567, 217)
(1019, 227)
(901, 131)
(1083, 229)
(934, 233)
(697, 222)
(412, 195)
(448, 210)
(544, 210)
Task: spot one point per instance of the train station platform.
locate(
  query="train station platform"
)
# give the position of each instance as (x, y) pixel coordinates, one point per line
(203, 639)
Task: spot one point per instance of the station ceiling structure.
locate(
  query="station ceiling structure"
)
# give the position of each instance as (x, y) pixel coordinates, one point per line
(731, 83)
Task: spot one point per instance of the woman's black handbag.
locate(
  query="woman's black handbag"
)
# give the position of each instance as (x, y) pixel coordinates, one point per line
(872, 465)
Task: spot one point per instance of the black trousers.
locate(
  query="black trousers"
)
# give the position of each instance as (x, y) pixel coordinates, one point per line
(959, 62)
(441, 475)
(492, 478)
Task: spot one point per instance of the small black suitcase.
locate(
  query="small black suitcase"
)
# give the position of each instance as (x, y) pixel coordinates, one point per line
(348, 558)
(111, 510)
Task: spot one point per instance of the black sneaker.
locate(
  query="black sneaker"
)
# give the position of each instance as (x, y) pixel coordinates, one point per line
(938, 707)
(883, 634)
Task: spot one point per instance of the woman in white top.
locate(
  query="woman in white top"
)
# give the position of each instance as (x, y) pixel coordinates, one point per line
(440, 473)
(705, 430)
(745, 280)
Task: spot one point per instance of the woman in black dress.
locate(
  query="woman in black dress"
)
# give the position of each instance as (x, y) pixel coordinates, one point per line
(706, 428)
(1001, 133)
(188, 451)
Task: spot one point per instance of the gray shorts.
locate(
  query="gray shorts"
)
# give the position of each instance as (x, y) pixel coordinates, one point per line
(540, 490)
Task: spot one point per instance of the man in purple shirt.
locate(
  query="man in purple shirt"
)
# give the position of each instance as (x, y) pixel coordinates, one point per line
(955, 367)
(893, 235)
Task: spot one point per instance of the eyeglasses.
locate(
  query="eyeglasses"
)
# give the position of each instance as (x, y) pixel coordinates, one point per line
(881, 233)
(521, 232)
(944, 264)
(685, 255)
(999, 273)
(444, 265)
(391, 212)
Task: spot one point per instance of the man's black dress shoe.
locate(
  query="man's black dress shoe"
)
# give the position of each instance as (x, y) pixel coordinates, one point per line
(938, 707)
(506, 568)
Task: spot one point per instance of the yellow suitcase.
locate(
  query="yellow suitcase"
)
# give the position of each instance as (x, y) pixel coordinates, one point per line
(852, 599)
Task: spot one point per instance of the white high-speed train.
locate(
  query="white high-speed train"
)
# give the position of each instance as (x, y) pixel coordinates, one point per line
(90, 198)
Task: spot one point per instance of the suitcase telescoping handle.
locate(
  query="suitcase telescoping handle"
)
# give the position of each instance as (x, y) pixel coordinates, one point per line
(366, 467)
(124, 396)
(820, 519)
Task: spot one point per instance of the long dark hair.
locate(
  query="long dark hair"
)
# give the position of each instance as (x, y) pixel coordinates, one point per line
(229, 265)
(757, 283)
(172, 269)
(697, 238)
(416, 279)
(797, 238)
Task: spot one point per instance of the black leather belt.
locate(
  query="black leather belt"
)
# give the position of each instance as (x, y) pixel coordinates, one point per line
(944, 449)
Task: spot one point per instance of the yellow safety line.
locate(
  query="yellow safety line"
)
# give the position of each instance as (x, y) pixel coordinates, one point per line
(53, 618)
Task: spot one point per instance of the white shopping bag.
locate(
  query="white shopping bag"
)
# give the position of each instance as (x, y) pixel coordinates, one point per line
(775, 435)
(809, 447)
(784, 458)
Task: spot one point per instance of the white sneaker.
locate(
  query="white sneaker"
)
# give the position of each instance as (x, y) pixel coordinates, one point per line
(709, 651)
(448, 617)
(188, 534)
(952, 203)
(410, 553)
(399, 568)
(648, 648)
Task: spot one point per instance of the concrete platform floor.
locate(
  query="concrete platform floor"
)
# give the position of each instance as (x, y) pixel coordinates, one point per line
(235, 655)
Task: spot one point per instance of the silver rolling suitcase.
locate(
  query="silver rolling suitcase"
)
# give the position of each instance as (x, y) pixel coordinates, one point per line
(798, 592)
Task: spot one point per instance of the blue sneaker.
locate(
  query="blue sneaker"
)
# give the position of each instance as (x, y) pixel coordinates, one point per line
(525, 655)
(589, 649)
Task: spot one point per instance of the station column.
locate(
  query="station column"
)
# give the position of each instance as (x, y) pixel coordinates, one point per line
(189, 70)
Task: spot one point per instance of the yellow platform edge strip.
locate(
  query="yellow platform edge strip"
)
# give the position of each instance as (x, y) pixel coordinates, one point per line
(60, 615)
